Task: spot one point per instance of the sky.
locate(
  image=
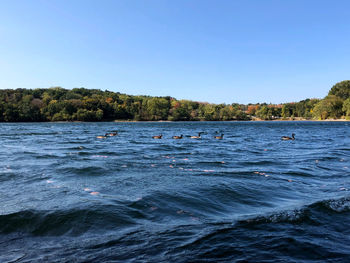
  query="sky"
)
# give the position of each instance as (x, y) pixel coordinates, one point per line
(216, 51)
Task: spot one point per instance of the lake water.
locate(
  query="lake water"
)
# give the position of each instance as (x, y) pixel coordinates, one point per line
(69, 197)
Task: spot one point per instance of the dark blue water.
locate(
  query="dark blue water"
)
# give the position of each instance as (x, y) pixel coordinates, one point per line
(69, 197)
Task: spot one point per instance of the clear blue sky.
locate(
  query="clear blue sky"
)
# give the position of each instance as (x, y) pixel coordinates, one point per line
(216, 51)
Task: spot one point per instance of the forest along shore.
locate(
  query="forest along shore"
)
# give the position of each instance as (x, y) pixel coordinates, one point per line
(81, 104)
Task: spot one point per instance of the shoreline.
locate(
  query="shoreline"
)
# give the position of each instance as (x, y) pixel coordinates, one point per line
(328, 120)
(166, 121)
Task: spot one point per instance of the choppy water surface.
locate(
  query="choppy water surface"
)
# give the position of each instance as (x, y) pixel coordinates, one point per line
(69, 197)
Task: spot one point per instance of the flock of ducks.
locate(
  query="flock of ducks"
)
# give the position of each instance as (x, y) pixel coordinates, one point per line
(218, 137)
(192, 137)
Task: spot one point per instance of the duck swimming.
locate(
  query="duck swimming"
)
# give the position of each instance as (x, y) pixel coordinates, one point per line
(287, 138)
(219, 137)
(102, 136)
(197, 137)
(178, 137)
(112, 134)
(157, 137)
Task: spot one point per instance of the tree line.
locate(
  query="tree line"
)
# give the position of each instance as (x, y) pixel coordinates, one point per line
(336, 105)
(80, 104)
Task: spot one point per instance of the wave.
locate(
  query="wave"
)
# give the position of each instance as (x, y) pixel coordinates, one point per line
(30, 134)
(258, 163)
(72, 222)
(85, 171)
(7, 175)
(309, 234)
(305, 214)
(315, 232)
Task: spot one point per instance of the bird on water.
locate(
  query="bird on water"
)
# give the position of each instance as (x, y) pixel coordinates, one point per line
(157, 136)
(287, 138)
(102, 136)
(178, 137)
(112, 133)
(219, 137)
(197, 137)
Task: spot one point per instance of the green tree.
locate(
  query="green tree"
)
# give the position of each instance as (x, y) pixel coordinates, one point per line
(288, 110)
(341, 90)
(180, 111)
(157, 109)
(10, 113)
(329, 107)
(264, 113)
(346, 107)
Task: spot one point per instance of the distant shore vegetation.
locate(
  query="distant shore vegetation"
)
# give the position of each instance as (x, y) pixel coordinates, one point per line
(80, 104)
